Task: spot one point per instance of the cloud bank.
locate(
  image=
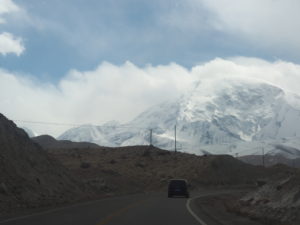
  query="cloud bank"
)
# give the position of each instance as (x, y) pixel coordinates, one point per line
(112, 92)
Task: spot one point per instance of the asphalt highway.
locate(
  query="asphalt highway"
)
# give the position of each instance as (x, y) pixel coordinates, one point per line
(146, 209)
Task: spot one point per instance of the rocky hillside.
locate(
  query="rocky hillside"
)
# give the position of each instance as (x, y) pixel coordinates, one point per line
(277, 202)
(142, 168)
(270, 160)
(28, 176)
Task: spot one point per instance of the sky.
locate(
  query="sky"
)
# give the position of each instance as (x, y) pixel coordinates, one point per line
(92, 61)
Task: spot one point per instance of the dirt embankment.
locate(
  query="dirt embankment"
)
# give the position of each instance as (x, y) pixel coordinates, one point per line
(275, 203)
(218, 209)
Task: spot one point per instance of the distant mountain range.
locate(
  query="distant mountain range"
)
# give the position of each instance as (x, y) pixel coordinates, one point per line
(48, 142)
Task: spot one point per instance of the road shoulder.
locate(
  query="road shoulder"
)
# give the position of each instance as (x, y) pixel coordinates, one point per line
(214, 209)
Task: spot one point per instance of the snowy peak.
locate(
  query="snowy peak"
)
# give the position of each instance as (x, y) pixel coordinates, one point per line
(245, 109)
(228, 97)
(219, 111)
(162, 116)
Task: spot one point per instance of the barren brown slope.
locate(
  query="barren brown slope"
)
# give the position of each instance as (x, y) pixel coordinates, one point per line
(270, 160)
(28, 176)
(142, 168)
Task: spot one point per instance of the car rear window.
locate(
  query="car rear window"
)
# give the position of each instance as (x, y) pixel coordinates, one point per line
(177, 183)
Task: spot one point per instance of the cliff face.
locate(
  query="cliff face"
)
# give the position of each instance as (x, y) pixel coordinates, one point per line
(28, 176)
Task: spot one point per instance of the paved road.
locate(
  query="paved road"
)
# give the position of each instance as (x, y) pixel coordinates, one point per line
(146, 209)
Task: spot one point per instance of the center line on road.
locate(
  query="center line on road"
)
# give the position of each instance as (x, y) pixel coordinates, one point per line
(119, 212)
(192, 213)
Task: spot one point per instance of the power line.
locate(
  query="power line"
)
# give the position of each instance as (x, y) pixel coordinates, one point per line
(263, 156)
(48, 123)
(175, 139)
(150, 141)
(78, 125)
(149, 129)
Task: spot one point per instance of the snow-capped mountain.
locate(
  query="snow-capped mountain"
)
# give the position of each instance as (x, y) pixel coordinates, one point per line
(94, 134)
(223, 112)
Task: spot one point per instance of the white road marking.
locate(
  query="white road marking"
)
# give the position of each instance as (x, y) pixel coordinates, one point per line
(192, 213)
(119, 212)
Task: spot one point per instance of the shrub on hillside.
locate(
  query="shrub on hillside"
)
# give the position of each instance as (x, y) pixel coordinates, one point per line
(85, 165)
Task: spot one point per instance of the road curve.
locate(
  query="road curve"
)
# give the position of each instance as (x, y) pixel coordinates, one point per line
(146, 209)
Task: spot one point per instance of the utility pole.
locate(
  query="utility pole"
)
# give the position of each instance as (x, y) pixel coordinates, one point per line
(150, 141)
(175, 140)
(294, 166)
(263, 156)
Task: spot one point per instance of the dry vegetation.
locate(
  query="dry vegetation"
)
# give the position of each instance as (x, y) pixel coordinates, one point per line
(146, 168)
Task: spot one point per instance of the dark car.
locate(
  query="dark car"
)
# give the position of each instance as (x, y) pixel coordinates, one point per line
(178, 187)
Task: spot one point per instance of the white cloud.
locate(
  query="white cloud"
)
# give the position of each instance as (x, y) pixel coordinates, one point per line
(7, 7)
(113, 92)
(282, 74)
(109, 92)
(11, 44)
(8, 42)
